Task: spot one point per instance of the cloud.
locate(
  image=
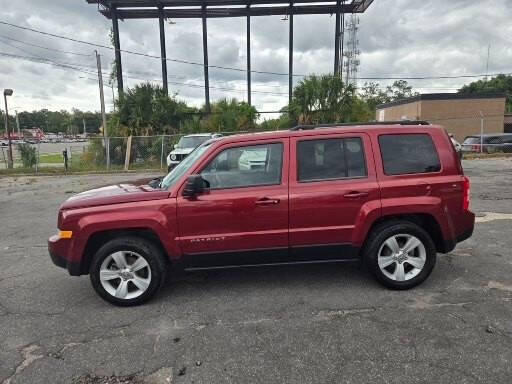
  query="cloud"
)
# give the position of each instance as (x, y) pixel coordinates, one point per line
(397, 38)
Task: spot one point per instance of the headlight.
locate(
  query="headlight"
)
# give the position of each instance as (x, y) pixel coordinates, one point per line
(173, 157)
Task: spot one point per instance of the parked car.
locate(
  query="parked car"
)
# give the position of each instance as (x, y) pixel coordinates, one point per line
(457, 146)
(488, 143)
(389, 195)
(186, 145)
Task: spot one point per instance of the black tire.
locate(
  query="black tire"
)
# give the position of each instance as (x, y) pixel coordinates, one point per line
(152, 255)
(384, 231)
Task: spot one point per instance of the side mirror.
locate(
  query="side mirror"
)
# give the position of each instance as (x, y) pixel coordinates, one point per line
(195, 185)
(175, 146)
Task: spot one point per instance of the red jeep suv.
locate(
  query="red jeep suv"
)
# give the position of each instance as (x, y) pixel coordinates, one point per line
(392, 195)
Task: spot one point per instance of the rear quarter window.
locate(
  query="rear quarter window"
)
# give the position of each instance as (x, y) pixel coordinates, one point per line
(408, 154)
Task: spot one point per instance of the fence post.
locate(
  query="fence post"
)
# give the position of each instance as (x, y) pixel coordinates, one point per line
(37, 157)
(481, 132)
(3, 155)
(108, 152)
(162, 154)
(128, 153)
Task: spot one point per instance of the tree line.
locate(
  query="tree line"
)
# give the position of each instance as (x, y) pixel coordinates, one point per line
(147, 109)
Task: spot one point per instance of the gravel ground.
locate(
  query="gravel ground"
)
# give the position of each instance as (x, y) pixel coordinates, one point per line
(303, 324)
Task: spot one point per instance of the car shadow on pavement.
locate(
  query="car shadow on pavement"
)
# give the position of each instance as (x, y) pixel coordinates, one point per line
(324, 276)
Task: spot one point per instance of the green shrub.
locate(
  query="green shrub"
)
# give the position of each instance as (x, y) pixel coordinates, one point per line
(28, 155)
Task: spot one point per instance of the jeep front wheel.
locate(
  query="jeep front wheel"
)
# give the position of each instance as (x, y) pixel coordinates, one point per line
(127, 271)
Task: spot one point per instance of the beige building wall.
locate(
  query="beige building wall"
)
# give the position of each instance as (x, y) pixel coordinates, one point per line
(462, 117)
(409, 111)
(459, 117)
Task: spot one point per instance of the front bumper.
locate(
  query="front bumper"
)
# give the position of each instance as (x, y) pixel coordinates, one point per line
(58, 250)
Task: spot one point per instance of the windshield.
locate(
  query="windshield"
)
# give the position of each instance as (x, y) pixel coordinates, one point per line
(183, 167)
(191, 141)
(472, 140)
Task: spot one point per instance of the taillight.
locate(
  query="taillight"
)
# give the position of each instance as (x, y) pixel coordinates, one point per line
(465, 196)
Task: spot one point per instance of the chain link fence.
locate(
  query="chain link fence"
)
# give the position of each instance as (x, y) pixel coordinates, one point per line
(150, 152)
(92, 155)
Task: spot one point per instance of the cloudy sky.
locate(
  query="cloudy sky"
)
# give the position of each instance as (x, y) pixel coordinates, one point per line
(398, 38)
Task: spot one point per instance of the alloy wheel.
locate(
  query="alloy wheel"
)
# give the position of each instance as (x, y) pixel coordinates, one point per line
(402, 257)
(125, 275)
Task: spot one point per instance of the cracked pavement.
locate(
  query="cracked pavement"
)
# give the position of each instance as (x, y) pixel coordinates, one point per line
(301, 324)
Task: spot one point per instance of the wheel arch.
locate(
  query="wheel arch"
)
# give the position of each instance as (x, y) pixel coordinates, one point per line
(98, 239)
(424, 220)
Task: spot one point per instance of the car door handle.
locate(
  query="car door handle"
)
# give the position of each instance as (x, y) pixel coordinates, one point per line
(267, 201)
(355, 195)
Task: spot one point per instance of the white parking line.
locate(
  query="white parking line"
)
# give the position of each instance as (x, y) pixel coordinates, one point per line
(491, 216)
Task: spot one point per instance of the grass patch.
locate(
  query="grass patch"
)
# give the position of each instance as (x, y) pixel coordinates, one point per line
(51, 158)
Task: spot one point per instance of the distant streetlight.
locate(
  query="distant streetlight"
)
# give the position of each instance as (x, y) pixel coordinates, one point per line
(8, 92)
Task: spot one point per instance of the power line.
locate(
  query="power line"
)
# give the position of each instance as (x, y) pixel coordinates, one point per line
(47, 48)
(77, 68)
(240, 69)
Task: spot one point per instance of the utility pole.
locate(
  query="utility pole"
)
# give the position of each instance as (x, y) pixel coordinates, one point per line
(85, 129)
(102, 100)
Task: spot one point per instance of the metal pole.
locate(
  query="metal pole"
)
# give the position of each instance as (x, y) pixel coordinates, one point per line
(18, 125)
(117, 46)
(481, 132)
(113, 95)
(342, 31)
(163, 52)
(290, 57)
(9, 155)
(102, 101)
(162, 154)
(337, 40)
(248, 57)
(205, 59)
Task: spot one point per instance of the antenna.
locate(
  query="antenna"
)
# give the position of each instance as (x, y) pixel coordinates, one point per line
(351, 64)
(487, 67)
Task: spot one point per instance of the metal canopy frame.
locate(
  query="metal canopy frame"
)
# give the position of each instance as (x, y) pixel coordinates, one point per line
(203, 9)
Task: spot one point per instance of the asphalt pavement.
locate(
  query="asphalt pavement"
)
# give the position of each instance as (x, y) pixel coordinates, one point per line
(302, 324)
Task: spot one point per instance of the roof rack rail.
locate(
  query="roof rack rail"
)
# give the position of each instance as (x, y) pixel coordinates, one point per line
(398, 122)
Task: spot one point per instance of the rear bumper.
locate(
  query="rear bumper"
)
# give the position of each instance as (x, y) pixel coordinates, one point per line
(466, 235)
(467, 223)
(58, 250)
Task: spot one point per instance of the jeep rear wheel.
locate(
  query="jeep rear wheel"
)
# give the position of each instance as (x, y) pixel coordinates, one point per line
(127, 271)
(400, 254)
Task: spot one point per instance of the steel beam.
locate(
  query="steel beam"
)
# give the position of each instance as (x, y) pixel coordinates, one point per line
(249, 59)
(290, 55)
(205, 64)
(337, 39)
(209, 3)
(117, 47)
(163, 52)
(191, 13)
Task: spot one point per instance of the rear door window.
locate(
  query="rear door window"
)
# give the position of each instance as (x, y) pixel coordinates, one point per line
(330, 159)
(408, 153)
